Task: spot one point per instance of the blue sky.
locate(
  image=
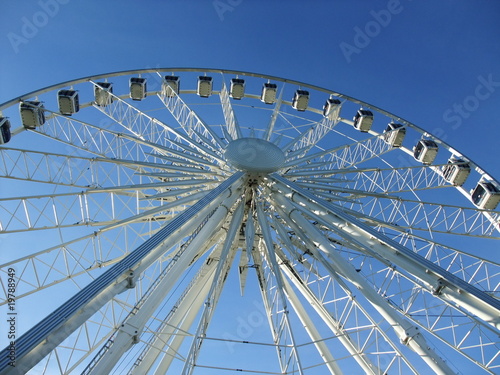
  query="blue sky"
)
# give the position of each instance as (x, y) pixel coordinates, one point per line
(419, 62)
(434, 63)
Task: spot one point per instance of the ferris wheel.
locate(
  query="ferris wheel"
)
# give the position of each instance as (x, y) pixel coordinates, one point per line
(204, 221)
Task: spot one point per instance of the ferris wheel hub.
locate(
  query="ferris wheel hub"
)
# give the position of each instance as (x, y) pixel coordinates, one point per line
(254, 155)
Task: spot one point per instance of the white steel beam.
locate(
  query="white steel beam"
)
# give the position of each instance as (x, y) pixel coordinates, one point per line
(305, 140)
(215, 289)
(131, 328)
(339, 330)
(274, 116)
(45, 336)
(146, 127)
(270, 256)
(310, 328)
(345, 332)
(233, 128)
(179, 319)
(448, 286)
(189, 120)
(407, 332)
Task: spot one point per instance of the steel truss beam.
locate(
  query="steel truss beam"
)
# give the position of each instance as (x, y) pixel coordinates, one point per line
(407, 332)
(341, 157)
(51, 331)
(339, 321)
(190, 122)
(274, 116)
(231, 127)
(178, 320)
(455, 290)
(226, 257)
(283, 328)
(132, 327)
(151, 129)
(94, 207)
(306, 140)
(113, 145)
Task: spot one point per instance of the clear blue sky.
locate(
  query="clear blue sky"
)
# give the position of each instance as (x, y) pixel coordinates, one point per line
(419, 63)
(434, 63)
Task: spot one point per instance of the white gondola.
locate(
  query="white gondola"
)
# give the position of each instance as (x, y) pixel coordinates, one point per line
(171, 86)
(102, 92)
(394, 134)
(32, 114)
(331, 109)
(456, 171)
(204, 86)
(425, 151)
(5, 134)
(485, 195)
(68, 101)
(300, 100)
(363, 120)
(138, 88)
(237, 88)
(268, 94)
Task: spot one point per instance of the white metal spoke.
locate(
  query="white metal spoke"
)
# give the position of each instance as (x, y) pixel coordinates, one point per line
(225, 260)
(148, 128)
(425, 216)
(179, 319)
(484, 305)
(34, 352)
(304, 141)
(88, 208)
(274, 116)
(343, 157)
(90, 138)
(233, 128)
(188, 119)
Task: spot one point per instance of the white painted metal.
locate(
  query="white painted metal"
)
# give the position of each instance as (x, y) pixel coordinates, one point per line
(407, 332)
(110, 176)
(296, 365)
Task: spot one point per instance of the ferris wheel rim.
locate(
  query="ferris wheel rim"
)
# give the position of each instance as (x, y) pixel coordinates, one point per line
(406, 122)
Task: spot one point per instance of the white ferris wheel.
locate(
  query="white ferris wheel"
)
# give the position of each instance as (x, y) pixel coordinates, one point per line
(206, 221)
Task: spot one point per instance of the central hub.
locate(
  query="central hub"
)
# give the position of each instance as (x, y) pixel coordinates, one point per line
(254, 155)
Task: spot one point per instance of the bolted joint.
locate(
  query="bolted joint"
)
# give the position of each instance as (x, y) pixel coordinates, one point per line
(130, 279)
(438, 288)
(409, 334)
(132, 331)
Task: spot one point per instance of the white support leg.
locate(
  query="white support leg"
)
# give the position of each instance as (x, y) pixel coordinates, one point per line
(132, 327)
(407, 332)
(44, 337)
(343, 334)
(181, 315)
(273, 264)
(310, 328)
(215, 289)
